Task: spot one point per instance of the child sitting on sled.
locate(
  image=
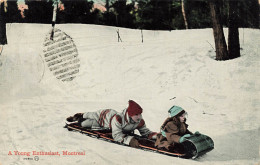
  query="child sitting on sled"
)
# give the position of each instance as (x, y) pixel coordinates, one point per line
(121, 124)
(173, 131)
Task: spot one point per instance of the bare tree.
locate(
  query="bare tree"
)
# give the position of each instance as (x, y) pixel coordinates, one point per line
(233, 33)
(220, 42)
(184, 14)
(3, 38)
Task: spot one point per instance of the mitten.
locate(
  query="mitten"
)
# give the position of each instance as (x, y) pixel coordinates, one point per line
(183, 138)
(152, 135)
(134, 143)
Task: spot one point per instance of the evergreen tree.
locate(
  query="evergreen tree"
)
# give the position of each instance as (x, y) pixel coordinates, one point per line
(198, 14)
(233, 33)
(154, 14)
(123, 13)
(107, 5)
(13, 13)
(109, 18)
(3, 38)
(38, 11)
(163, 14)
(143, 19)
(160, 15)
(248, 13)
(177, 21)
(77, 11)
(97, 17)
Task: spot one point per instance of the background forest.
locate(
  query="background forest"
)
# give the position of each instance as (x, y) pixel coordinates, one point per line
(137, 14)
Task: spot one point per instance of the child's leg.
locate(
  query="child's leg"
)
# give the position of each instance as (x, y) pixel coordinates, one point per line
(90, 123)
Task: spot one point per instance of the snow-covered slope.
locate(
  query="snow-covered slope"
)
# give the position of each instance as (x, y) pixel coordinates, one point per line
(221, 97)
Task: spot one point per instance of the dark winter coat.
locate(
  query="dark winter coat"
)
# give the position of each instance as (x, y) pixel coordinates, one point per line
(174, 129)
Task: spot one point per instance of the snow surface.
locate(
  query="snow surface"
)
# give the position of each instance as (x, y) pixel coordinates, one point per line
(221, 97)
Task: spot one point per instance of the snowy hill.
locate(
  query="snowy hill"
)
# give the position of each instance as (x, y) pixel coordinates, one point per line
(221, 97)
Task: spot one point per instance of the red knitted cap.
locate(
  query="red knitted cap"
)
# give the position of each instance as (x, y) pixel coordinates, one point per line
(134, 108)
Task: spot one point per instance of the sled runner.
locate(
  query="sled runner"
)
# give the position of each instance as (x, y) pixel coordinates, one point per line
(106, 135)
(145, 144)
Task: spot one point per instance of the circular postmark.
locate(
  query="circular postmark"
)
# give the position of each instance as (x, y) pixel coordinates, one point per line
(36, 158)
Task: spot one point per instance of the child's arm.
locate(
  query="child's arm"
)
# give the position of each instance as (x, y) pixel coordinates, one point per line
(144, 131)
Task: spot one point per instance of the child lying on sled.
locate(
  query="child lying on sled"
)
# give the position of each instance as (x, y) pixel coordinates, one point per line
(121, 124)
(173, 131)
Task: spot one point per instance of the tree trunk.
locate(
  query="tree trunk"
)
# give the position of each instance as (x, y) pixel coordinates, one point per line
(233, 33)
(107, 5)
(220, 43)
(184, 14)
(3, 38)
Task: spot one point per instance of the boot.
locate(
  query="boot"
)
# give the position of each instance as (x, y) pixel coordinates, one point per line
(80, 120)
(76, 117)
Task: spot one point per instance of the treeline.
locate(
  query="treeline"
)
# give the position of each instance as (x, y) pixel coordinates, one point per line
(138, 14)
